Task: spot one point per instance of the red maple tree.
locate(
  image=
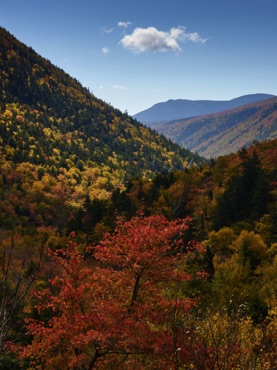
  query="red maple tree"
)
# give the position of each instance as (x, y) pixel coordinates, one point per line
(125, 310)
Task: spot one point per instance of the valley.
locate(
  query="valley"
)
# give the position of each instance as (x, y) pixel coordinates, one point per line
(121, 247)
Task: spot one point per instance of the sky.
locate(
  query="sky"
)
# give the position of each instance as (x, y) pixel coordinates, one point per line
(136, 53)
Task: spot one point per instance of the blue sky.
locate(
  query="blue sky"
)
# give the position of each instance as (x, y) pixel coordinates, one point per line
(135, 53)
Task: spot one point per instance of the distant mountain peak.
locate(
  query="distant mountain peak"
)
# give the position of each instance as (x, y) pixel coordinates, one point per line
(221, 133)
(183, 108)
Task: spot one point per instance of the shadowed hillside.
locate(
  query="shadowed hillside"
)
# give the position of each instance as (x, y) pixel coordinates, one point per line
(225, 132)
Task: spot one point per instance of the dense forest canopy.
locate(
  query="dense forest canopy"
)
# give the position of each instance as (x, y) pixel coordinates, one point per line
(49, 119)
(120, 249)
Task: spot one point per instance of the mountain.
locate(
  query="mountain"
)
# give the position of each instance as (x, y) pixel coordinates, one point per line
(177, 109)
(67, 186)
(225, 132)
(49, 120)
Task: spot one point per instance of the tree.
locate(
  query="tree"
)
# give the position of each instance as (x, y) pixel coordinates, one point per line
(236, 341)
(246, 194)
(126, 310)
(18, 273)
(251, 249)
(221, 242)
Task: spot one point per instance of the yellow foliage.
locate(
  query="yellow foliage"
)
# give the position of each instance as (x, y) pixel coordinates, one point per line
(221, 241)
(236, 343)
(101, 183)
(272, 251)
(251, 241)
(56, 152)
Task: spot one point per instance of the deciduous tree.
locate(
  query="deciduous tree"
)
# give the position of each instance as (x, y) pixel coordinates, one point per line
(128, 310)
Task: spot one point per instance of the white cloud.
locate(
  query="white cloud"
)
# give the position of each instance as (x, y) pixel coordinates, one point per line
(106, 30)
(153, 40)
(119, 87)
(124, 24)
(194, 37)
(105, 50)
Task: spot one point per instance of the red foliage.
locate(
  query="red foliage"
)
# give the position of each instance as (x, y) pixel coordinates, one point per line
(129, 309)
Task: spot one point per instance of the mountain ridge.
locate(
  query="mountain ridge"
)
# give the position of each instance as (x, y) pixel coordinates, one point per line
(174, 109)
(221, 133)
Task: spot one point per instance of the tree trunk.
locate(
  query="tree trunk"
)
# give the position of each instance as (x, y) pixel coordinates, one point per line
(93, 360)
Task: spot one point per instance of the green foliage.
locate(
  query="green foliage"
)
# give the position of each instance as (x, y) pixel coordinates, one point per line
(10, 362)
(246, 194)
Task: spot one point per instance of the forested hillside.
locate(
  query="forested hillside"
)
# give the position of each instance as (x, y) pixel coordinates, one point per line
(225, 132)
(49, 119)
(120, 250)
(219, 223)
